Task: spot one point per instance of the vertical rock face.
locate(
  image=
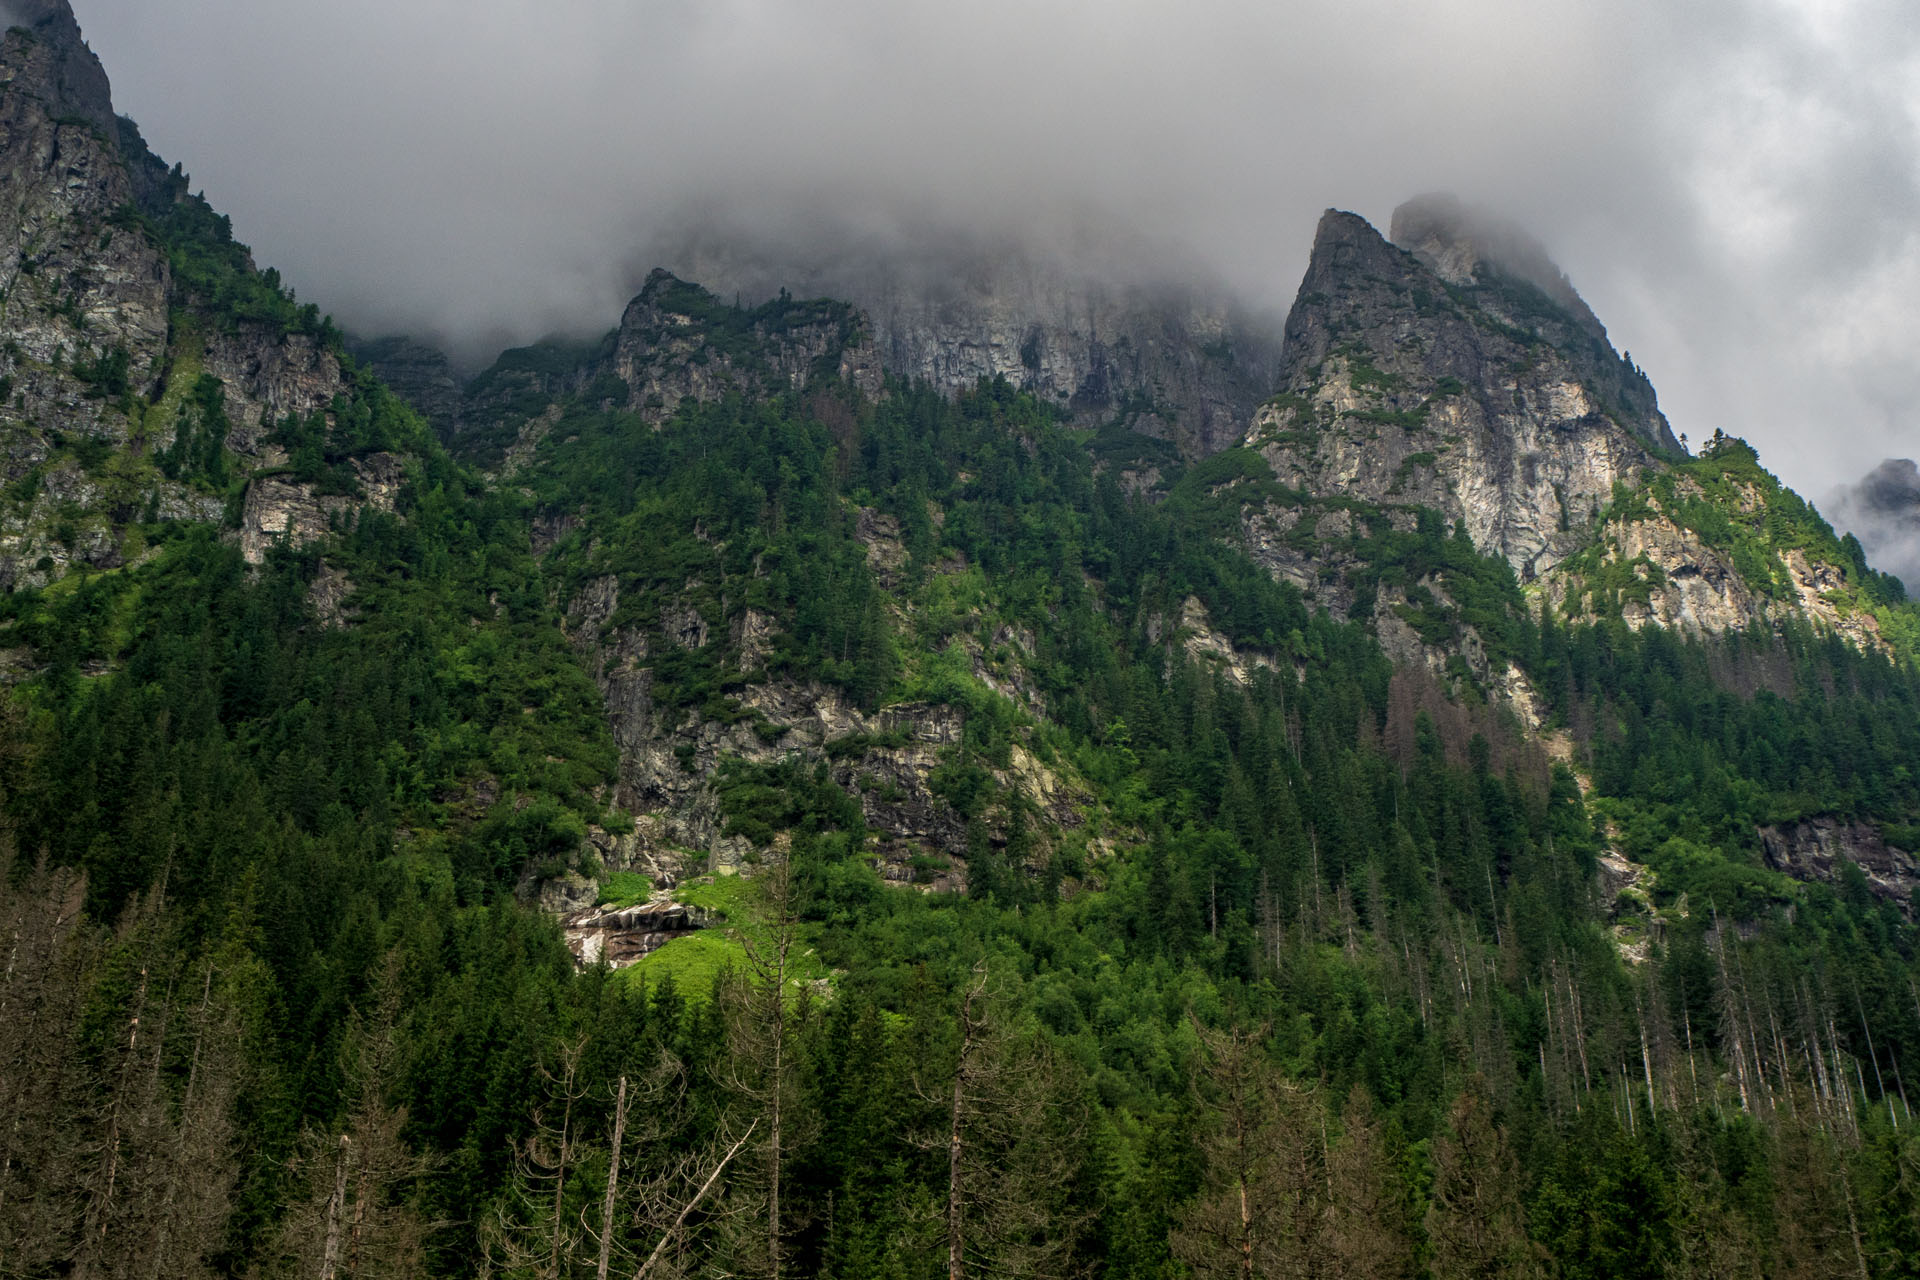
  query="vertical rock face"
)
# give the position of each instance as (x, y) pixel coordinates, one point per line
(74, 82)
(1181, 361)
(83, 301)
(74, 282)
(679, 342)
(1459, 373)
(670, 759)
(419, 374)
(103, 352)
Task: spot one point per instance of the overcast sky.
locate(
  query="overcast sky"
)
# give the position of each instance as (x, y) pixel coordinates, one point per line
(1733, 184)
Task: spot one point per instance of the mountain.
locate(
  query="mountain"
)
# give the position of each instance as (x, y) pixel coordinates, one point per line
(1176, 360)
(1103, 327)
(1437, 371)
(730, 794)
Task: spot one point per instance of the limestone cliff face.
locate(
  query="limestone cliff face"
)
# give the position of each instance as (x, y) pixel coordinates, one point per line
(1668, 575)
(278, 509)
(101, 349)
(676, 343)
(83, 302)
(679, 342)
(1181, 361)
(670, 758)
(1443, 375)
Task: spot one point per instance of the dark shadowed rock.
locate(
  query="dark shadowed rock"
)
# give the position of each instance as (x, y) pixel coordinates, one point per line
(419, 374)
(1814, 849)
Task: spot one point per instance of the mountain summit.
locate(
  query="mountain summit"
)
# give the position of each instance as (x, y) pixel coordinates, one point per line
(1442, 375)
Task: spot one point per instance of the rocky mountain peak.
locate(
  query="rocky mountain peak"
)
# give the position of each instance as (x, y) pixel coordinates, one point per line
(47, 56)
(1084, 325)
(1438, 373)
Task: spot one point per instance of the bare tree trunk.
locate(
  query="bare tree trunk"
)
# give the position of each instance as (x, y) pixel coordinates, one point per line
(613, 1179)
(330, 1255)
(560, 1173)
(680, 1221)
(956, 1202)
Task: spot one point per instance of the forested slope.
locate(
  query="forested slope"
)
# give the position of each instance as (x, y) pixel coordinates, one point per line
(1081, 894)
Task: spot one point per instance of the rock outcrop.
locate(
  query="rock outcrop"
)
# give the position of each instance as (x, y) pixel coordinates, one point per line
(622, 935)
(282, 510)
(83, 303)
(678, 342)
(1458, 373)
(1179, 360)
(1813, 849)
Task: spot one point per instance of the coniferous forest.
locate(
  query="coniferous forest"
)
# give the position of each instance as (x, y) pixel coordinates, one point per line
(1312, 960)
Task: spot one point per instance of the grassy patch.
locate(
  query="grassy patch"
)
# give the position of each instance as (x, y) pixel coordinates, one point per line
(690, 963)
(625, 889)
(693, 962)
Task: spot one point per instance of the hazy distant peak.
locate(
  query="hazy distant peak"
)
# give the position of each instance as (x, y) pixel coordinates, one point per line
(1894, 487)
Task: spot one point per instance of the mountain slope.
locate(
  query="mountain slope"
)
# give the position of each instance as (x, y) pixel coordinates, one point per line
(994, 814)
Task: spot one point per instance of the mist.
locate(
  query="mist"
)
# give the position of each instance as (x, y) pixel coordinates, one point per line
(1733, 185)
(1883, 511)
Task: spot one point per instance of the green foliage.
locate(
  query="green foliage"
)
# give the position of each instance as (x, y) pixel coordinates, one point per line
(1392, 886)
(216, 271)
(625, 889)
(198, 452)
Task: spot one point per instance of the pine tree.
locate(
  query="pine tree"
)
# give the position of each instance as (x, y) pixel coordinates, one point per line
(1370, 1224)
(1476, 1222)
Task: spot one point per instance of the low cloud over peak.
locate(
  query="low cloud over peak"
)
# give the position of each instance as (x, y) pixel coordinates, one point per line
(1732, 186)
(1883, 511)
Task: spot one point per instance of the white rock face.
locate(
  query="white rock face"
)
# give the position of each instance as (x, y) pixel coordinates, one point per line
(1425, 378)
(1696, 588)
(279, 510)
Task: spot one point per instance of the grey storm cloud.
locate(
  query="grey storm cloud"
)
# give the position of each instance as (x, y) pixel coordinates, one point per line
(1883, 511)
(1730, 183)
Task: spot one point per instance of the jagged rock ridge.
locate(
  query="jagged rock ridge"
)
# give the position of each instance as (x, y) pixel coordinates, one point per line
(1169, 353)
(1490, 401)
(107, 352)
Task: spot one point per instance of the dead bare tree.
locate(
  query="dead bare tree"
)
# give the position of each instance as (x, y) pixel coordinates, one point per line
(1370, 1236)
(1011, 1129)
(50, 955)
(1262, 1208)
(357, 1219)
(1476, 1221)
(765, 1004)
(531, 1233)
